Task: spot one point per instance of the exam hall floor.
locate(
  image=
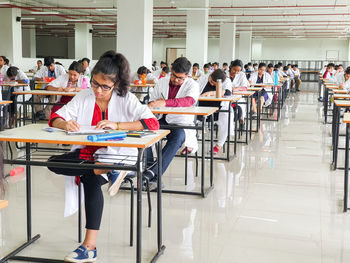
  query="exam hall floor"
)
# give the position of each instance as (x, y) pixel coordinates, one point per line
(277, 201)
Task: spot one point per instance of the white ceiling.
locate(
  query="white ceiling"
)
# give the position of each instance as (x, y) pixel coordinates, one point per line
(266, 18)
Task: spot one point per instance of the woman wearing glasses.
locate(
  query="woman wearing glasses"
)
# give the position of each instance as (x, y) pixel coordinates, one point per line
(108, 104)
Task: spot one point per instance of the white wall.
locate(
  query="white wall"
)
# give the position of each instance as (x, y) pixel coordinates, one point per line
(310, 49)
(101, 45)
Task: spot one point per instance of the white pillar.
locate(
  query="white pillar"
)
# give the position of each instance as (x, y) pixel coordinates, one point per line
(245, 46)
(197, 33)
(349, 49)
(83, 41)
(11, 35)
(227, 42)
(29, 43)
(135, 32)
(257, 50)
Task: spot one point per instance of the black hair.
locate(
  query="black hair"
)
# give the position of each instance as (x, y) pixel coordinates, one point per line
(236, 63)
(166, 70)
(218, 74)
(59, 63)
(216, 63)
(245, 66)
(249, 63)
(12, 71)
(262, 64)
(288, 65)
(341, 65)
(296, 65)
(224, 64)
(255, 64)
(115, 67)
(142, 70)
(48, 61)
(347, 71)
(277, 66)
(40, 61)
(195, 65)
(270, 65)
(85, 59)
(162, 62)
(76, 66)
(7, 61)
(285, 68)
(181, 65)
(280, 64)
(331, 65)
(206, 66)
(3, 57)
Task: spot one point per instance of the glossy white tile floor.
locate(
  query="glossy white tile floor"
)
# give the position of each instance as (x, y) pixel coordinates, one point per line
(277, 201)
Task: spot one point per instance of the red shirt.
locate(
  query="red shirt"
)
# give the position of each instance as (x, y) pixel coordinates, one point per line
(179, 102)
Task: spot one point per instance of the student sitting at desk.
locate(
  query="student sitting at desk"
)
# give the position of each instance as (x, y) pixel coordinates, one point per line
(221, 117)
(74, 80)
(3, 67)
(164, 73)
(343, 80)
(52, 70)
(38, 66)
(86, 67)
(13, 74)
(177, 90)
(296, 79)
(150, 78)
(226, 69)
(107, 105)
(158, 70)
(339, 70)
(261, 77)
(196, 73)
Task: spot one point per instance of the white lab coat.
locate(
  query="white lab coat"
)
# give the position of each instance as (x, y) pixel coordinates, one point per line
(120, 109)
(202, 81)
(240, 80)
(267, 79)
(340, 79)
(189, 88)
(20, 76)
(62, 81)
(3, 71)
(87, 72)
(44, 72)
(198, 73)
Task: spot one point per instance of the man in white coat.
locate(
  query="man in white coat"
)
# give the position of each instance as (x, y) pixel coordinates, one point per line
(177, 90)
(51, 70)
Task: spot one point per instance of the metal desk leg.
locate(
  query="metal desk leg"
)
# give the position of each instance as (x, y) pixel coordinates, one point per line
(160, 245)
(203, 156)
(251, 119)
(247, 121)
(211, 147)
(346, 172)
(325, 104)
(139, 207)
(229, 133)
(235, 143)
(336, 139)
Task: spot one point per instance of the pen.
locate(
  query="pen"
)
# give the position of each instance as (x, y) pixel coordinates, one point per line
(162, 96)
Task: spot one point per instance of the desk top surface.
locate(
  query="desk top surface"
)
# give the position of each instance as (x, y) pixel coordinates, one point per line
(243, 93)
(3, 204)
(213, 98)
(265, 85)
(5, 102)
(340, 91)
(45, 92)
(342, 103)
(35, 133)
(42, 82)
(341, 96)
(142, 85)
(198, 111)
(14, 84)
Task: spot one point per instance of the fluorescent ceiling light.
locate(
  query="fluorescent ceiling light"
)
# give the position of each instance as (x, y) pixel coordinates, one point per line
(158, 20)
(45, 13)
(107, 9)
(78, 20)
(5, 3)
(192, 8)
(107, 33)
(56, 24)
(28, 18)
(102, 24)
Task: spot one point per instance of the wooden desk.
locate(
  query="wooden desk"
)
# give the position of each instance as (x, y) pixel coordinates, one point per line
(46, 93)
(34, 133)
(340, 91)
(341, 96)
(140, 89)
(3, 204)
(249, 113)
(195, 111)
(14, 84)
(42, 82)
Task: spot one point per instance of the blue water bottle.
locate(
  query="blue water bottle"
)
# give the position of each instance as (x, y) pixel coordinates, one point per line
(275, 81)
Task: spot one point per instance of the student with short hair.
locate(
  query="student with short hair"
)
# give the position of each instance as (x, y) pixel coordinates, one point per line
(221, 117)
(176, 90)
(196, 73)
(343, 80)
(14, 74)
(262, 77)
(86, 67)
(215, 66)
(150, 78)
(203, 79)
(164, 73)
(297, 79)
(154, 66)
(38, 66)
(51, 70)
(74, 80)
(226, 69)
(107, 105)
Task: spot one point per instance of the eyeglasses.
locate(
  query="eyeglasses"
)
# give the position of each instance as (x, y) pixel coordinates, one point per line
(95, 85)
(173, 76)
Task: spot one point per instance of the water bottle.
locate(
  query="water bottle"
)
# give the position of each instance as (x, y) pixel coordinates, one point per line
(1, 79)
(275, 81)
(84, 84)
(218, 88)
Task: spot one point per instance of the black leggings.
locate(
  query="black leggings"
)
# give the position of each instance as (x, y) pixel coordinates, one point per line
(92, 186)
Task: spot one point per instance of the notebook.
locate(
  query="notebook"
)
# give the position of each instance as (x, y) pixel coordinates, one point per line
(87, 130)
